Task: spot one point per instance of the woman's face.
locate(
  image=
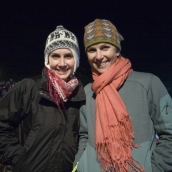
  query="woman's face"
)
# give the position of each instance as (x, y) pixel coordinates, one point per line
(62, 62)
(101, 56)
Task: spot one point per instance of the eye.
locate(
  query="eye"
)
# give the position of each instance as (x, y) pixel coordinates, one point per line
(69, 56)
(54, 56)
(91, 50)
(105, 47)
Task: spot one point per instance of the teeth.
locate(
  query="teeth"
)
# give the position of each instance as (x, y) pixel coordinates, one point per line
(102, 64)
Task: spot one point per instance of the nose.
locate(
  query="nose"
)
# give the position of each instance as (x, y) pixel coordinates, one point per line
(62, 62)
(99, 55)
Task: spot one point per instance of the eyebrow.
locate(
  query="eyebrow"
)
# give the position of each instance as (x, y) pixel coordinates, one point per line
(59, 54)
(102, 44)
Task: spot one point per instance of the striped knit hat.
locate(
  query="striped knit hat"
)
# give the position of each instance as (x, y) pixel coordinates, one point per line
(101, 30)
(62, 38)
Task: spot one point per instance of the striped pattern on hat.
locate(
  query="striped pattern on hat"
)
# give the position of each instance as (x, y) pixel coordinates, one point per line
(101, 30)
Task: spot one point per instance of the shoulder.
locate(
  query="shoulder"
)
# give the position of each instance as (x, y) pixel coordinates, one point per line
(88, 89)
(28, 83)
(147, 81)
(37, 79)
(143, 78)
(140, 76)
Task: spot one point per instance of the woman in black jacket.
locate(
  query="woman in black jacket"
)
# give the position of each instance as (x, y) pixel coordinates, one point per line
(39, 118)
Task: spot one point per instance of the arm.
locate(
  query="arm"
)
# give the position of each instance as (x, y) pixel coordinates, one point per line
(13, 107)
(161, 114)
(83, 135)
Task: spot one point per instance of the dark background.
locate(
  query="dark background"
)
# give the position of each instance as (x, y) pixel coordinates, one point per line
(146, 26)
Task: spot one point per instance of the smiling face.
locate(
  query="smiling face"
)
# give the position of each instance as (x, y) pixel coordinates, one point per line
(101, 56)
(61, 62)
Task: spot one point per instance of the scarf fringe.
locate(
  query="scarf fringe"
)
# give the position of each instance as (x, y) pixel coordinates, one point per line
(117, 164)
(53, 94)
(121, 143)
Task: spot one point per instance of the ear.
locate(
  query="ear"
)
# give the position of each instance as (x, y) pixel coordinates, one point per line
(118, 53)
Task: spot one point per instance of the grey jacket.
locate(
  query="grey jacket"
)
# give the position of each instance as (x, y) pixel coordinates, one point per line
(150, 108)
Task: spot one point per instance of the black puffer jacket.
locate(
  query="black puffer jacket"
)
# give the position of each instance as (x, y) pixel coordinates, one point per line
(35, 136)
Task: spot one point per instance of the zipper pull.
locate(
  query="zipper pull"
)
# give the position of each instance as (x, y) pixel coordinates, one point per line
(167, 108)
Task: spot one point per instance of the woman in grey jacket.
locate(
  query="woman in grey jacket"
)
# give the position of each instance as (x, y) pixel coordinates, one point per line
(124, 110)
(39, 118)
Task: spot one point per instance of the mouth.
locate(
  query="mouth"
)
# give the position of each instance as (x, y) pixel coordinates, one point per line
(102, 64)
(60, 71)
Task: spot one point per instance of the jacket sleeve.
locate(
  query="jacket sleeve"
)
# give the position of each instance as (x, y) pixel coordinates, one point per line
(13, 107)
(83, 135)
(161, 114)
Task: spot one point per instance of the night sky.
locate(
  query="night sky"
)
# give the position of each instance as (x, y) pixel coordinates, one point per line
(146, 26)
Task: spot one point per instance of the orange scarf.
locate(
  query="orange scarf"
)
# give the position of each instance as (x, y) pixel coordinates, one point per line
(114, 131)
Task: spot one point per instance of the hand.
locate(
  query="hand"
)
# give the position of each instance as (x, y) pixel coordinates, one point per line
(157, 141)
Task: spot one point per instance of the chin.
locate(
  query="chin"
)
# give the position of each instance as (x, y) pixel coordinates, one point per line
(101, 71)
(64, 78)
